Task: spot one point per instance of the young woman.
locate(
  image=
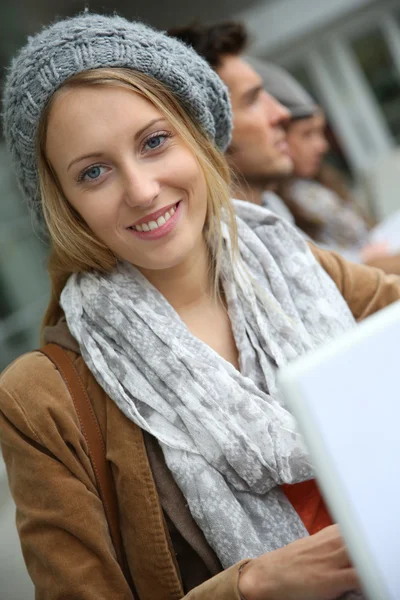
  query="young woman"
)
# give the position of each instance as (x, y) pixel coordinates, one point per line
(176, 314)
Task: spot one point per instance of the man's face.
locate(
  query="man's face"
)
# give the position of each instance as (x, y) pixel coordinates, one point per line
(259, 151)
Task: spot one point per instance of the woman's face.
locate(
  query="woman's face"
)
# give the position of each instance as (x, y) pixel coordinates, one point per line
(127, 173)
(307, 145)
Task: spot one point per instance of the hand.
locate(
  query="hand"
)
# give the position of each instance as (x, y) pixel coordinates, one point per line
(373, 251)
(389, 264)
(312, 568)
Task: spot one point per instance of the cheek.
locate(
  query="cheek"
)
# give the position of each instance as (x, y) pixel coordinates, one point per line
(185, 173)
(198, 189)
(260, 126)
(245, 126)
(99, 213)
(301, 148)
(199, 192)
(311, 150)
(250, 136)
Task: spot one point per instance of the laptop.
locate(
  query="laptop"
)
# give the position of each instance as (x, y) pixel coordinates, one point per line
(346, 399)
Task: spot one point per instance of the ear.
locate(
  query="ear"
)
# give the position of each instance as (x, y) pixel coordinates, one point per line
(230, 151)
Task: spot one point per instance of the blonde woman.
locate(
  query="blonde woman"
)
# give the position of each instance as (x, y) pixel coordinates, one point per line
(176, 313)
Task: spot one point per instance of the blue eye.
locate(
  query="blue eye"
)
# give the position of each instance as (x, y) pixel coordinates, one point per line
(154, 142)
(92, 173)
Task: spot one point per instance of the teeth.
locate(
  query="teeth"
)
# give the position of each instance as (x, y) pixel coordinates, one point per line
(151, 225)
(161, 221)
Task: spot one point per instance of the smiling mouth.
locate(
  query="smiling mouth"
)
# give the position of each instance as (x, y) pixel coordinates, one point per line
(151, 225)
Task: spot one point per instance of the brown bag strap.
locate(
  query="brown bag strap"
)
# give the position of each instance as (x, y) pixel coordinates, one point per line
(94, 439)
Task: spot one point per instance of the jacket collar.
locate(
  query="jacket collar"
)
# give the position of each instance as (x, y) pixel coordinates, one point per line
(59, 334)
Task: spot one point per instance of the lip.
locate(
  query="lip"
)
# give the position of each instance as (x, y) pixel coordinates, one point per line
(162, 231)
(282, 146)
(153, 216)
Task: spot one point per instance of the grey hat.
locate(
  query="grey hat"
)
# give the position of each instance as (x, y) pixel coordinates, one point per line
(91, 41)
(285, 88)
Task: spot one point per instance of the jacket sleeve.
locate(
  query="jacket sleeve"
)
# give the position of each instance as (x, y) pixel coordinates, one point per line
(223, 586)
(365, 289)
(60, 518)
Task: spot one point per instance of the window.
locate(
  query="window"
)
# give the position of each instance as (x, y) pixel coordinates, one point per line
(373, 56)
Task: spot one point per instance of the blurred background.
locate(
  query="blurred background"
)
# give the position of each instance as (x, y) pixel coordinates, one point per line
(345, 52)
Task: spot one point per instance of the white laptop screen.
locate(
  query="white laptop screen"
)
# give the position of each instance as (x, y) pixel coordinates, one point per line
(346, 398)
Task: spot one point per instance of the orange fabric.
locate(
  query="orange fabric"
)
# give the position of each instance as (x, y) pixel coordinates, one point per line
(309, 505)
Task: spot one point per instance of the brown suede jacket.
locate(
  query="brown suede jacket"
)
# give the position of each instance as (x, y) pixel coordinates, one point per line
(60, 518)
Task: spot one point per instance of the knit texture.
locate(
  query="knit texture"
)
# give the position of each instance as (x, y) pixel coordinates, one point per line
(91, 41)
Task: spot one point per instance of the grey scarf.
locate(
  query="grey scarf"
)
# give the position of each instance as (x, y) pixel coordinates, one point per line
(226, 435)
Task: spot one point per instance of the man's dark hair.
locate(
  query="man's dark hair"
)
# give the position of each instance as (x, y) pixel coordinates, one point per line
(213, 41)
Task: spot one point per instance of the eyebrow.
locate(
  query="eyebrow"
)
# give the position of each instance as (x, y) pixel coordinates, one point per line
(252, 92)
(138, 134)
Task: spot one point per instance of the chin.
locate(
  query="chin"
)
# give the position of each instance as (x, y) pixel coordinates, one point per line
(285, 166)
(163, 264)
(162, 261)
(281, 171)
(310, 174)
(304, 172)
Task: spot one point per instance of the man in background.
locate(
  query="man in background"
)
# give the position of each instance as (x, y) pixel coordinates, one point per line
(258, 154)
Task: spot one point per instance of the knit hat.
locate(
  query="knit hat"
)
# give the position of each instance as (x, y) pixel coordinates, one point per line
(90, 41)
(285, 88)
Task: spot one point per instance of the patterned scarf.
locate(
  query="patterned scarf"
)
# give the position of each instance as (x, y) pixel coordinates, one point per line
(226, 435)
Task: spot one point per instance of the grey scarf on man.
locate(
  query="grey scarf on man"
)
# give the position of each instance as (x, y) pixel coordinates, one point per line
(226, 435)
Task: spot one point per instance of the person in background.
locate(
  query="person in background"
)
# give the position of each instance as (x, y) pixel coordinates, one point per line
(262, 160)
(316, 193)
(258, 152)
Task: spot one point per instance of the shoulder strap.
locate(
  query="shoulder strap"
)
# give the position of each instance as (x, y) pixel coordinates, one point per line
(94, 439)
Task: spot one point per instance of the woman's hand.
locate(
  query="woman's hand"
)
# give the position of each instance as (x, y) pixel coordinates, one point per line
(312, 568)
(389, 264)
(374, 251)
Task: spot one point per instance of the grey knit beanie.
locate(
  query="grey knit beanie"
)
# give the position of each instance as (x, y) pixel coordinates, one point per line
(285, 88)
(90, 41)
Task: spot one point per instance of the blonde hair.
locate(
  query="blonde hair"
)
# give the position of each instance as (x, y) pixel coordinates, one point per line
(74, 248)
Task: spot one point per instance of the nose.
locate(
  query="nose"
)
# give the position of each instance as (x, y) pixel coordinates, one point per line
(277, 113)
(322, 144)
(140, 186)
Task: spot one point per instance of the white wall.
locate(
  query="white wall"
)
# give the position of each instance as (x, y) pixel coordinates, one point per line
(275, 25)
(382, 182)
